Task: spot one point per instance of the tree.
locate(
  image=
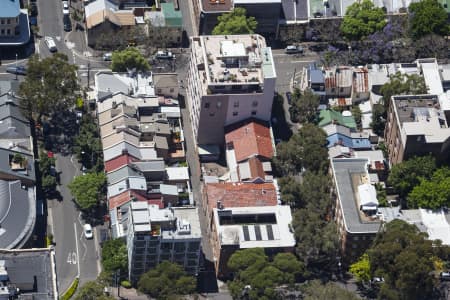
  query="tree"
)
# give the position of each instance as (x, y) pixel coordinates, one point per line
(235, 22)
(290, 191)
(402, 84)
(433, 193)
(305, 150)
(115, 256)
(406, 175)
(315, 290)
(427, 17)
(361, 269)
(48, 183)
(257, 276)
(304, 106)
(362, 19)
(88, 146)
(356, 113)
(166, 280)
(129, 59)
(87, 189)
(378, 119)
(50, 86)
(404, 257)
(92, 290)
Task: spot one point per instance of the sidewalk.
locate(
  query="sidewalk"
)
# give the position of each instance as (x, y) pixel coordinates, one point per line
(130, 294)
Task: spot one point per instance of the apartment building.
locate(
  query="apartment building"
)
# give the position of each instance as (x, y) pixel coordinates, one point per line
(245, 215)
(155, 235)
(417, 125)
(14, 24)
(356, 206)
(230, 79)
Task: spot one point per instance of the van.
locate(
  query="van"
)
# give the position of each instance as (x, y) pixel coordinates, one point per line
(292, 49)
(50, 44)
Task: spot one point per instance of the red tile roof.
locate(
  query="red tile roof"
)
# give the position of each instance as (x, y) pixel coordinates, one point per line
(126, 196)
(240, 194)
(256, 168)
(250, 139)
(119, 162)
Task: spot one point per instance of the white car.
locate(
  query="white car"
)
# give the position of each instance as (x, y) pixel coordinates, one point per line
(65, 8)
(88, 234)
(50, 42)
(164, 55)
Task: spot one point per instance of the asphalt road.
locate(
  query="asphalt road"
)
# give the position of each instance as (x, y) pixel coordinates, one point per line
(75, 255)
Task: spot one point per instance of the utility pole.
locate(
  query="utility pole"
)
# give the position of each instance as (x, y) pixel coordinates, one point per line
(16, 66)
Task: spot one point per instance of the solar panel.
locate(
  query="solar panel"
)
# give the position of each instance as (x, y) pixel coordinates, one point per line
(269, 232)
(246, 233)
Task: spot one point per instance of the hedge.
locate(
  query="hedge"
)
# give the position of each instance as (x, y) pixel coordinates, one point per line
(71, 291)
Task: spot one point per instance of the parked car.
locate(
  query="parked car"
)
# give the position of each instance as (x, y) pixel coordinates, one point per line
(293, 49)
(33, 21)
(33, 9)
(50, 42)
(164, 55)
(445, 276)
(67, 23)
(65, 8)
(19, 70)
(88, 234)
(107, 56)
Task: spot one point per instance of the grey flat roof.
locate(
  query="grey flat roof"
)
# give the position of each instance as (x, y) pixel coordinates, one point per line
(11, 128)
(11, 110)
(343, 169)
(123, 173)
(17, 213)
(295, 11)
(33, 267)
(151, 165)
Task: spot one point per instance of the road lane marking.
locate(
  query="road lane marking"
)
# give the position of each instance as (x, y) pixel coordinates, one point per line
(72, 258)
(76, 244)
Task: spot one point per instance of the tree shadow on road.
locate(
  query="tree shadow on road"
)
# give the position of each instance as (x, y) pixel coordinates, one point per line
(281, 128)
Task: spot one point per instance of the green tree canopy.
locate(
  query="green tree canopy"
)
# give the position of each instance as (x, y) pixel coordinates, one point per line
(115, 256)
(258, 277)
(129, 59)
(404, 257)
(87, 189)
(378, 119)
(407, 174)
(235, 22)
(92, 290)
(88, 146)
(315, 290)
(305, 149)
(427, 17)
(432, 193)
(402, 84)
(304, 106)
(362, 19)
(50, 86)
(361, 269)
(166, 280)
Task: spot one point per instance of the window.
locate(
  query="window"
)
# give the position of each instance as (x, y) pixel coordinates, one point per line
(218, 104)
(235, 113)
(171, 90)
(236, 104)
(3, 31)
(341, 90)
(255, 103)
(8, 21)
(3, 21)
(8, 31)
(253, 112)
(159, 91)
(206, 105)
(212, 114)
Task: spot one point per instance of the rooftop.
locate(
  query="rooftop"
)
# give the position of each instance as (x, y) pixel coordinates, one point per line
(216, 5)
(338, 77)
(141, 153)
(240, 194)
(328, 116)
(349, 173)
(295, 10)
(232, 63)
(250, 138)
(17, 213)
(32, 271)
(173, 18)
(118, 162)
(10, 8)
(139, 85)
(250, 227)
(421, 115)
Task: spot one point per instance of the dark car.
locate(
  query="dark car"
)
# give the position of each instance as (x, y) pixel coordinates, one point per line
(33, 21)
(289, 97)
(33, 9)
(19, 70)
(67, 23)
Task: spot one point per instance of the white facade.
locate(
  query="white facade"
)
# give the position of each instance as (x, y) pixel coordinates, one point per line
(230, 79)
